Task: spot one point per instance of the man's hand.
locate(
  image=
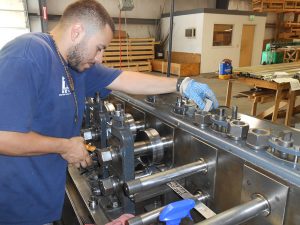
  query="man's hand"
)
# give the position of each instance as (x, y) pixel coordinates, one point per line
(121, 220)
(198, 92)
(75, 152)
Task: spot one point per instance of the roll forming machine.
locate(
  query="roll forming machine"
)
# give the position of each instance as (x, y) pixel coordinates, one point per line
(150, 151)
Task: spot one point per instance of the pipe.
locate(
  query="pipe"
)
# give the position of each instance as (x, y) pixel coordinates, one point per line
(152, 216)
(170, 38)
(240, 214)
(142, 184)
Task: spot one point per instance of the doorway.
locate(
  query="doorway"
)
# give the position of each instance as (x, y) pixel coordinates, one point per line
(247, 45)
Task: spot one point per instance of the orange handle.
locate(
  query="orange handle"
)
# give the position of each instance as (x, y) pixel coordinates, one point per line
(90, 148)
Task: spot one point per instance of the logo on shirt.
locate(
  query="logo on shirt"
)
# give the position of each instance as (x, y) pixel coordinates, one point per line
(65, 90)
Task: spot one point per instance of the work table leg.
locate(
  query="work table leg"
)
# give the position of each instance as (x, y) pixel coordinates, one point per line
(228, 93)
(290, 108)
(276, 105)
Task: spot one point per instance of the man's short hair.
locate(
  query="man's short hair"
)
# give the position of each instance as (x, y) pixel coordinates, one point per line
(89, 11)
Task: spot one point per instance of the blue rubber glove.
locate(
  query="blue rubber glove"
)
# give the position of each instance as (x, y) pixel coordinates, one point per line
(198, 92)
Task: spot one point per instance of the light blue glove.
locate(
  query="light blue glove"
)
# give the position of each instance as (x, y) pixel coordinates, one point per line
(198, 92)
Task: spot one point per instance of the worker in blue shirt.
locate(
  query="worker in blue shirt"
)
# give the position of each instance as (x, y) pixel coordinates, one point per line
(44, 79)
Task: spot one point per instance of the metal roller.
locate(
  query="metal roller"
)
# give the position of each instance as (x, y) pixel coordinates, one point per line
(145, 183)
(150, 150)
(133, 125)
(240, 214)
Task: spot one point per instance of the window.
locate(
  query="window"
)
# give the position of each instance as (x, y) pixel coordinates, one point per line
(222, 34)
(13, 20)
(191, 32)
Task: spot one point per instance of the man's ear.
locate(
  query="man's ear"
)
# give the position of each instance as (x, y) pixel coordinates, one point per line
(77, 32)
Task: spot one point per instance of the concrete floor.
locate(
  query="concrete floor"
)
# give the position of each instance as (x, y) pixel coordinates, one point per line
(243, 103)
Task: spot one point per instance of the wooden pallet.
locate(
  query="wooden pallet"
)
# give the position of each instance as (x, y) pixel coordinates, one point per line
(140, 66)
(132, 54)
(268, 5)
(276, 6)
(289, 35)
(292, 4)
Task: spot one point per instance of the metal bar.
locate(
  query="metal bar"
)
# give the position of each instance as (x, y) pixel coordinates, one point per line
(240, 214)
(170, 38)
(152, 216)
(142, 148)
(43, 15)
(138, 185)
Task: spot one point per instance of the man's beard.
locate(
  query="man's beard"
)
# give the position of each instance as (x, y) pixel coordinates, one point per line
(75, 56)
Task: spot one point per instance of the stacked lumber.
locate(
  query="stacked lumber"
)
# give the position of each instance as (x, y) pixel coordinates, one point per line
(287, 29)
(266, 72)
(291, 5)
(276, 5)
(268, 5)
(133, 54)
(291, 30)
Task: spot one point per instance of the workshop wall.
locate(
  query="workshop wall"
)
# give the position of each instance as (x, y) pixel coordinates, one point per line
(143, 9)
(202, 43)
(214, 54)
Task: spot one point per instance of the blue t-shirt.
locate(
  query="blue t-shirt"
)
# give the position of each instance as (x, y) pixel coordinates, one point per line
(35, 96)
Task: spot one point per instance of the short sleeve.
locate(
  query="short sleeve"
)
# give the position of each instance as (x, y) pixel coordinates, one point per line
(98, 78)
(18, 94)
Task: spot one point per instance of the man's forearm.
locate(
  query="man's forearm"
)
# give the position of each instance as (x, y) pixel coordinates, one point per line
(26, 144)
(140, 83)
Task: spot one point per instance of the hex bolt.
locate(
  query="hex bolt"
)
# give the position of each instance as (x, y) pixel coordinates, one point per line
(222, 112)
(234, 112)
(297, 149)
(287, 135)
(119, 107)
(93, 202)
(179, 101)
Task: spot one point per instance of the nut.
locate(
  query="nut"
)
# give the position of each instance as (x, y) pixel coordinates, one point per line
(258, 138)
(93, 202)
(105, 157)
(202, 118)
(108, 186)
(238, 130)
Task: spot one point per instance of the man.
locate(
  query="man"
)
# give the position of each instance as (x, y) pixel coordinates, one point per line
(44, 79)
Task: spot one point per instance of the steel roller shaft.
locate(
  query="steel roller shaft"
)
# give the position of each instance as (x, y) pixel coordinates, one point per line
(145, 147)
(240, 214)
(145, 183)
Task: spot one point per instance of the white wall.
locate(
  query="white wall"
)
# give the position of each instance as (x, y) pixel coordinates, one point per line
(203, 43)
(180, 42)
(212, 55)
(147, 9)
